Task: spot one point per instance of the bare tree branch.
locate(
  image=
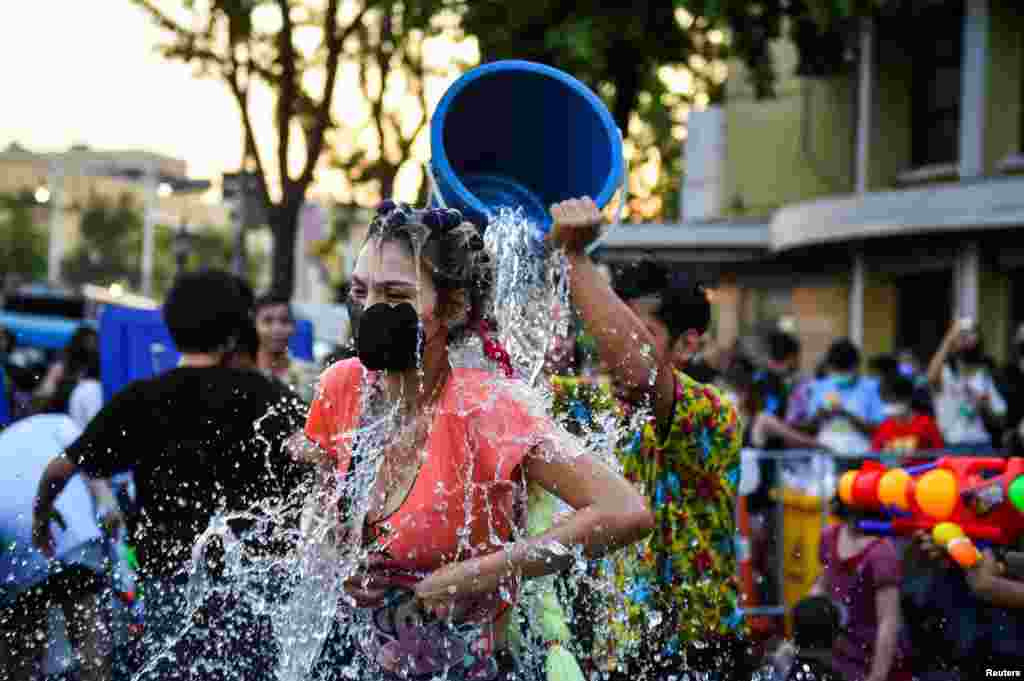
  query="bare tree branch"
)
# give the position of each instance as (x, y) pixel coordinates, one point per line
(334, 42)
(285, 95)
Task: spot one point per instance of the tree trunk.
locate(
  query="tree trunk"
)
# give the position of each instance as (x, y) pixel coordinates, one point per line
(285, 227)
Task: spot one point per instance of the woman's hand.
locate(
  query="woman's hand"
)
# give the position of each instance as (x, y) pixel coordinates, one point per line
(455, 590)
(577, 223)
(304, 450)
(932, 550)
(369, 588)
(982, 576)
(366, 591)
(42, 535)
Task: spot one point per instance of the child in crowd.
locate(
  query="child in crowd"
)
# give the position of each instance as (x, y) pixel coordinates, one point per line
(862, 576)
(815, 628)
(905, 429)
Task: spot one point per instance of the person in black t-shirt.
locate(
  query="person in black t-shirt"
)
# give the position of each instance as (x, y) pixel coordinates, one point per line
(200, 439)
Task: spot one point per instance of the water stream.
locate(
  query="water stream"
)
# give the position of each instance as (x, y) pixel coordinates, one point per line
(299, 593)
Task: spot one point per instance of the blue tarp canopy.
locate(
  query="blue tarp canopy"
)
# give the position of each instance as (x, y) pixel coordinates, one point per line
(135, 344)
(48, 333)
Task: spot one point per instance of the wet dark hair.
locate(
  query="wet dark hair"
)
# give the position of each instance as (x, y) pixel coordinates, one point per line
(782, 346)
(843, 355)
(683, 302)
(815, 623)
(896, 386)
(452, 251)
(205, 311)
(884, 364)
(272, 299)
(81, 361)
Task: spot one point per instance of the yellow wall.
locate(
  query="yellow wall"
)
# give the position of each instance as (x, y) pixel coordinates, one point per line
(726, 305)
(994, 312)
(822, 316)
(889, 152)
(879, 315)
(793, 147)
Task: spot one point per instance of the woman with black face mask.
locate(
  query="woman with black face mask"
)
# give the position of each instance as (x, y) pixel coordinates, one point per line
(968, 405)
(434, 461)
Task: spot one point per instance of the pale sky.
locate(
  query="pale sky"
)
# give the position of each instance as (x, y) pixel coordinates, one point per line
(85, 71)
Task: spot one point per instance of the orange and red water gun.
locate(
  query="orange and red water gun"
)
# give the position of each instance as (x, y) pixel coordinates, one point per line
(960, 500)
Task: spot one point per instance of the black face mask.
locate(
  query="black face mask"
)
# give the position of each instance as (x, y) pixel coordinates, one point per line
(387, 337)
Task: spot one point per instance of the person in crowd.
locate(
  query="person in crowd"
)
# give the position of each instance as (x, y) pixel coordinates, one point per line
(862, 576)
(777, 378)
(905, 430)
(798, 408)
(275, 323)
(905, 364)
(764, 428)
(846, 407)
(25, 367)
(815, 629)
(960, 622)
(764, 433)
(968, 405)
(464, 441)
(1012, 388)
(198, 439)
(683, 453)
(75, 580)
(79, 392)
(6, 345)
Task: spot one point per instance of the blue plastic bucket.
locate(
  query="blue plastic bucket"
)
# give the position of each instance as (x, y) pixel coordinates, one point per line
(522, 135)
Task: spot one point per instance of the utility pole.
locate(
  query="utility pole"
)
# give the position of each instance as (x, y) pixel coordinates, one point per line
(241, 192)
(151, 186)
(55, 186)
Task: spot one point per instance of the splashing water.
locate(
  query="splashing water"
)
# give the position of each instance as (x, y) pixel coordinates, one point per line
(300, 591)
(530, 283)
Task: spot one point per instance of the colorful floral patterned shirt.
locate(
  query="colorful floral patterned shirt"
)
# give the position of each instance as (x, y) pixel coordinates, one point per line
(680, 584)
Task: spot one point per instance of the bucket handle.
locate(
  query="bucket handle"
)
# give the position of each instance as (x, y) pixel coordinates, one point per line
(435, 192)
(620, 213)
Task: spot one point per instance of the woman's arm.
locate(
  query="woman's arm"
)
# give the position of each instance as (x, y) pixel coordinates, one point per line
(610, 513)
(988, 584)
(887, 606)
(54, 480)
(939, 358)
(866, 428)
(766, 425)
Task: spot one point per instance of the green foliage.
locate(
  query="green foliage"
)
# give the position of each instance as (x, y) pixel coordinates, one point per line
(110, 249)
(23, 244)
(111, 243)
(822, 31)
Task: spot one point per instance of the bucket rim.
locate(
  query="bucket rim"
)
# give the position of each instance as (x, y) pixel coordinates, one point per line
(439, 158)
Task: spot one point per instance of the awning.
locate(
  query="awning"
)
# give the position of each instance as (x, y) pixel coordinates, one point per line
(983, 205)
(704, 242)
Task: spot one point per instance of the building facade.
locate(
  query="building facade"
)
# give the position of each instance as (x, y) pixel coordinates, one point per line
(65, 182)
(879, 204)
